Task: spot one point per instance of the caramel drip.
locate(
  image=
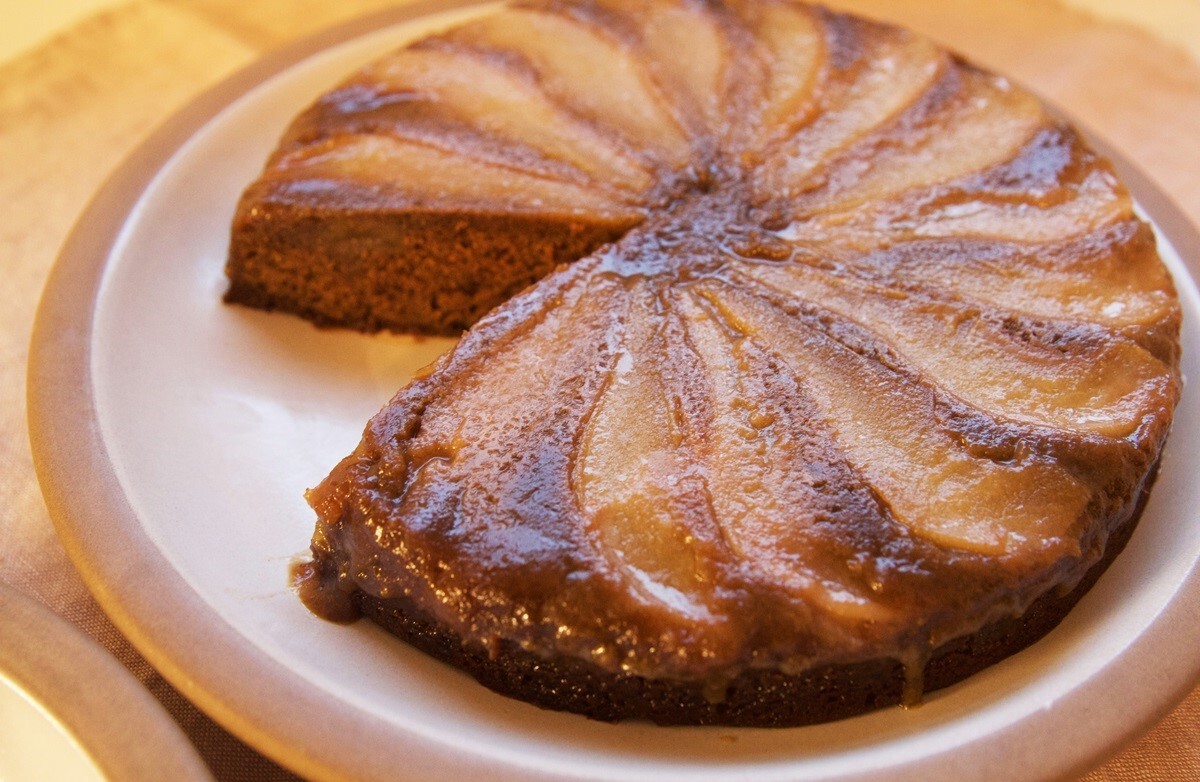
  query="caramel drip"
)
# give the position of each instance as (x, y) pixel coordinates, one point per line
(913, 660)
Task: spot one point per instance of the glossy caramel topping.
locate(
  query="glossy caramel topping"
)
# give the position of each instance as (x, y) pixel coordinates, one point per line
(885, 354)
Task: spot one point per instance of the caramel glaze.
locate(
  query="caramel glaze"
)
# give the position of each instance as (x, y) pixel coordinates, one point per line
(886, 358)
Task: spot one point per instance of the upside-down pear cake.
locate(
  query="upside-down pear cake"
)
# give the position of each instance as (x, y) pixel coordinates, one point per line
(841, 368)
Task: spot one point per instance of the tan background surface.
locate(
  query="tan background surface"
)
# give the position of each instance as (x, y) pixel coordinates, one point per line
(72, 105)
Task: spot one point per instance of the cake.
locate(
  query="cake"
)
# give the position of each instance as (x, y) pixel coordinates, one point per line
(839, 370)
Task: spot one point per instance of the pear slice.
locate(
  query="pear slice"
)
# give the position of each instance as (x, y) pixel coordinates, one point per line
(885, 424)
(486, 476)
(1099, 201)
(499, 103)
(781, 498)
(587, 70)
(639, 485)
(794, 39)
(969, 122)
(1112, 277)
(1076, 380)
(894, 71)
(683, 49)
(390, 170)
(942, 213)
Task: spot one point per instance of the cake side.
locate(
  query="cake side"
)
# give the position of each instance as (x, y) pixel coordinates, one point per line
(760, 697)
(400, 270)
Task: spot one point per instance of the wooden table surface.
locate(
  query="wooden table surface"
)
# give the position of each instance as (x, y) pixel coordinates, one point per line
(74, 106)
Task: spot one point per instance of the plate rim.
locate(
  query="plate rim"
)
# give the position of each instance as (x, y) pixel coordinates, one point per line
(81, 687)
(87, 504)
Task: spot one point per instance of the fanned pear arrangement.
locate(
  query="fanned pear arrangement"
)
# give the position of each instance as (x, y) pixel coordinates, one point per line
(808, 367)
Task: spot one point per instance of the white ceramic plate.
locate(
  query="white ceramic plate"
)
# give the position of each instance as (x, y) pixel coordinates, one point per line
(70, 711)
(175, 436)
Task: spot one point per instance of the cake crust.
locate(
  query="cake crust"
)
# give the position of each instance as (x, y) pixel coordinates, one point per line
(756, 698)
